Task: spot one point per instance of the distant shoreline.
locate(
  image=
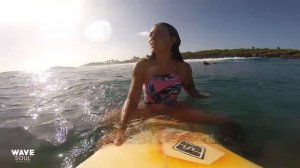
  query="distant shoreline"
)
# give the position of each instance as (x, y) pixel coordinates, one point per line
(222, 53)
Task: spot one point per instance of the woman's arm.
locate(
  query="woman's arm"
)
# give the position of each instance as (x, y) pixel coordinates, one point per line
(134, 92)
(188, 83)
(129, 107)
(132, 100)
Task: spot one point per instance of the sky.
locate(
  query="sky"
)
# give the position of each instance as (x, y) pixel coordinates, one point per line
(38, 34)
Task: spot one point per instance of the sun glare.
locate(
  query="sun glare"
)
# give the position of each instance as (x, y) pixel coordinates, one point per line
(98, 31)
(49, 32)
(37, 11)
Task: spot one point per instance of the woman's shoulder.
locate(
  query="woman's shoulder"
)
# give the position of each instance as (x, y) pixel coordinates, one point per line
(183, 66)
(144, 63)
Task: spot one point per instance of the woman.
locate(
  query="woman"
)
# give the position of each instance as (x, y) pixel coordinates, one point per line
(161, 77)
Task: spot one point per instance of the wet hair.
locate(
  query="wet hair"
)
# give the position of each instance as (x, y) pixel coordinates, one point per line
(175, 47)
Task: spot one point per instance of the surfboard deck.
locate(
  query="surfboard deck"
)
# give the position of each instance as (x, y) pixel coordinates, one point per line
(161, 143)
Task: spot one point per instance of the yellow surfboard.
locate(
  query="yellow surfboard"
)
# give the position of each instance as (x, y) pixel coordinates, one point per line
(161, 143)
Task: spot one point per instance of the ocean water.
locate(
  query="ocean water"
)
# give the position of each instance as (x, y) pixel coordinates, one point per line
(56, 112)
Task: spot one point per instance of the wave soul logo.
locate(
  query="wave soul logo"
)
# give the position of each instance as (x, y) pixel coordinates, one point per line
(22, 155)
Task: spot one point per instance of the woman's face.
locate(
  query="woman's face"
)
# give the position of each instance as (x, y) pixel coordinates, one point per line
(160, 39)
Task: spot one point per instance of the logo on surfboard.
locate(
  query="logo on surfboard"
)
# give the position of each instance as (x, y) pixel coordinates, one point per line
(190, 149)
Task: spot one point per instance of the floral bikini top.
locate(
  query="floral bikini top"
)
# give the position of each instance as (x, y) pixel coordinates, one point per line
(162, 89)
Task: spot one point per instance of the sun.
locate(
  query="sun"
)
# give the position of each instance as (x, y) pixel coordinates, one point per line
(98, 31)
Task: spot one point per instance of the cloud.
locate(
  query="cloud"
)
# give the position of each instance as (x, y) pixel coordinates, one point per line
(143, 34)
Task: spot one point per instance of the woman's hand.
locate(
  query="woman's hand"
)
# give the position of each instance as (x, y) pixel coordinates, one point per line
(117, 137)
(120, 137)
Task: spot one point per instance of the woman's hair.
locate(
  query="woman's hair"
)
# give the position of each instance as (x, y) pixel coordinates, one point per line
(175, 47)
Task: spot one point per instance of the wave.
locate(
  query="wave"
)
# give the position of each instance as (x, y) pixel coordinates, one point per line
(61, 67)
(219, 59)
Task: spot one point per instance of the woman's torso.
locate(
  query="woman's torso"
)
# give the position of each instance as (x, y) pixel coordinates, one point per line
(161, 85)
